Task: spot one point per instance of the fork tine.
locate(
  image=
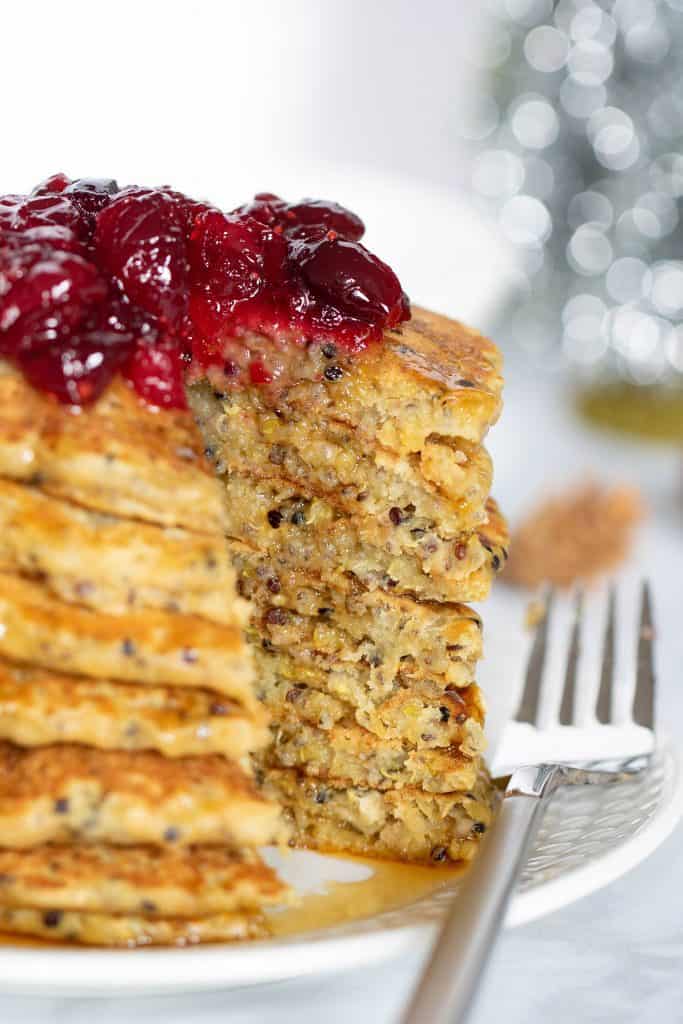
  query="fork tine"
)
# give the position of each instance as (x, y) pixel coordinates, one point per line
(567, 705)
(529, 704)
(644, 697)
(603, 707)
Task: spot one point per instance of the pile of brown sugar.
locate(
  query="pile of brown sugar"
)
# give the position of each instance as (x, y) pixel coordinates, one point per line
(577, 535)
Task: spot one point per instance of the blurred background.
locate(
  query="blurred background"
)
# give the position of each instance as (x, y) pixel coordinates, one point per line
(520, 164)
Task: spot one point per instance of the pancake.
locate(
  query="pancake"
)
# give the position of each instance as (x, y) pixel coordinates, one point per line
(67, 793)
(446, 483)
(129, 931)
(144, 646)
(403, 824)
(359, 671)
(118, 456)
(423, 718)
(430, 376)
(155, 883)
(360, 686)
(38, 708)
(297, 532)
(382, 626)
(115, 565)
(354, 755)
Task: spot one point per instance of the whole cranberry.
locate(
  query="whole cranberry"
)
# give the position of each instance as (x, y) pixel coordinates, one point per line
(51, 238)
(140, 241)
(322, 212)
(44, 296)
(350, 279)
(286, 218)
(233, 258)
(116, 324)
(265, 207)
(76, 372)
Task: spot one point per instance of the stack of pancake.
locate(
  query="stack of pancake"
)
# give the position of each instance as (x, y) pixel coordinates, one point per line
(359, 519)
(128, 814)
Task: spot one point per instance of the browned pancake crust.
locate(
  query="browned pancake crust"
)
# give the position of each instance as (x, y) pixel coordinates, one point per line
(118, 455)
(187, 882)
(129, 931)
(68, 793)
(146, 646)
(116, 565)
(38, 708)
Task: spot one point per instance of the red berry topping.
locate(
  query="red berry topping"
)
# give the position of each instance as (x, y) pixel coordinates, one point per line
(55, 183)
(156, 372)
(89, 196)
(234, 258)
(76, 373)
(44, 295)
(351, 280)
(315, 212)
(286, 217)
(95, 281)
(258, 372)
(140, 240)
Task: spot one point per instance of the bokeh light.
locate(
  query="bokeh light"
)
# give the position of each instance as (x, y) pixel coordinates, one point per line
(580, 157)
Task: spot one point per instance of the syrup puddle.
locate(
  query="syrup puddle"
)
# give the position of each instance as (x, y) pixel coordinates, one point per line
(333, 890)
(330, 890)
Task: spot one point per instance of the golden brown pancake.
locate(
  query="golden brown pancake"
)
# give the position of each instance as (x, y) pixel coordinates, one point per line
(118, 456)
(430, 376)
(322, 652)
(145, 646)
(380, 626)
(185, 882)
(38, 708)
(297, 531)
(66, 793)
(129, 931)
(404, 824)
(446, 483)
(115, 565)
(359, 758)
(421, 717)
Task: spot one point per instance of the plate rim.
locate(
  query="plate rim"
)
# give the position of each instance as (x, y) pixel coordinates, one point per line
(27, 970)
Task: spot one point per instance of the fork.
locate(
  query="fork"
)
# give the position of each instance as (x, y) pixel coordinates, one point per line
(446, 990)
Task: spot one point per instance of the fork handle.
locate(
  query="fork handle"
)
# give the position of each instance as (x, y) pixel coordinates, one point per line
(462, 949)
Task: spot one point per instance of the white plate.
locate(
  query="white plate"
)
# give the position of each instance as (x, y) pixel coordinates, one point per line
(590, 837)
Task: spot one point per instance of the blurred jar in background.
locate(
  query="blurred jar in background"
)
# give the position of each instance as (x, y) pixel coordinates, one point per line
(576, 138)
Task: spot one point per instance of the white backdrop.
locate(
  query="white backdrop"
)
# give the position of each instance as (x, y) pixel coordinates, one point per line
(222, 95)
(343, 99)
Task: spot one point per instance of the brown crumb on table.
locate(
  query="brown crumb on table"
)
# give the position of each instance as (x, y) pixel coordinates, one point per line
(577, 535)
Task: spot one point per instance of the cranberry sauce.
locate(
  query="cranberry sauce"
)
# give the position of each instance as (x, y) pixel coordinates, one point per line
(95, 280)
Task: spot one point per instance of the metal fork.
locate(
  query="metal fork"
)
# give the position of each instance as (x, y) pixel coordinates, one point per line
(462, 950)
